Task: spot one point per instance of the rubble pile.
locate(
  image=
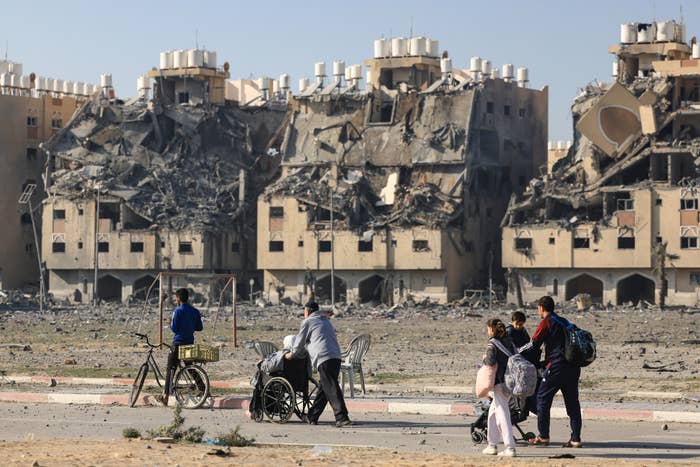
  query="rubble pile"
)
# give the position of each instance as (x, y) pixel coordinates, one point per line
(175, 166)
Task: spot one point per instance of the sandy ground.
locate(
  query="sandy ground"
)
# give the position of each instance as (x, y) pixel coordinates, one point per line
(124, 452)
(433, 345)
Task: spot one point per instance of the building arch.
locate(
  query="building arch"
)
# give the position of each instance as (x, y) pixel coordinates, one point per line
(634, 288)
(323, 289)
(372, 289)
(109, 288)
(141, 286)
(587, 284)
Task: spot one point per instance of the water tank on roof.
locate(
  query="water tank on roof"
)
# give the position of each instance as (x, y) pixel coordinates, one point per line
(508, 71)
(67, 87)
(14, 80)
(665, 31)
(165, 60)
(380, 48)
(418, 46)
(646, 32)
(680, 32)
(523, 76)
(445, 65)
(76, 88)
(550, 145)
(24, 82)
(475, 64)
(628, 33)
(356, 72)
(284, 81)
(106, 80)
(495, 73)
(264, 83)
(433, 48)
(338, 68)
(486, 68)
(4, 79)
(615, 68)
(4, 66)
(398, 47)
(15, 68)
(320, 69)
(696, 50)
(348, 73)
(179, 58)
(195, 58)
(303, 84)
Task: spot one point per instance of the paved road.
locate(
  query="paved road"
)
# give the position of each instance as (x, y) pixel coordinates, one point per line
(417, 433)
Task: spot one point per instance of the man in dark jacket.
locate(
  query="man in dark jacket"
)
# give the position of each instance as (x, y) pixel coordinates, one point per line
(558, 375)
(185, 321)
(317, 337)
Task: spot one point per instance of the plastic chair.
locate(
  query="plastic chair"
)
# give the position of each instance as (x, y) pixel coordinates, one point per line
(265, 348)
(352, 362)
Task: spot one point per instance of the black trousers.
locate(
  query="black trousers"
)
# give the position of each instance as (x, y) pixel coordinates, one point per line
(328, 372)
(566, 380)
(173, 362)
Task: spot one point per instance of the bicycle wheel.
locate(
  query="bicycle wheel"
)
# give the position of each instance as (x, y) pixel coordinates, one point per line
(191, 387)
(138, 384)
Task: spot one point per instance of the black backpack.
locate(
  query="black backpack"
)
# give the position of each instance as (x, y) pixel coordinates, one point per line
(579, 346)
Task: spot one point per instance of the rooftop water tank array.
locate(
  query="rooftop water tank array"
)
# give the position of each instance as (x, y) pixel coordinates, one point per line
(659, 31)
(417, 46)
(187, 58)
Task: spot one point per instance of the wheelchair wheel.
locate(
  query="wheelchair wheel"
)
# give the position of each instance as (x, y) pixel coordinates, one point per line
(278, 400)
(304, 401)
(191, 387)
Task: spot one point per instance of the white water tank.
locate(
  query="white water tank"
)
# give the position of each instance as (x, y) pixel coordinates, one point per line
(646, 32)
(550, 145)
(38, 83)
(24, 82)
(4, 66)
(179, 58)
(696, 50)
(486, 68)
(628, 33)
(338, 68)
(665, 31)
(195, 58)
(615, 68)
(523, 76)
(275, 86)
(507, 71)
(14, 80)
(164, 60)
(433, 48)
(368, 79)
(81, 89)
(348, 73)
(303, 84)
(15, 68)
(381, 48)
(56, 85)
(561, 145)
(568, 144)
(398, 47)
(475, 64)
(106, 80)
(4, 79)
(356, 72)
(209, 58)
(418, 46)
(320, 69)
(284, 81)
(264, 83)
(680, 32)
(76, 88)
(445, 65)
(495, 73)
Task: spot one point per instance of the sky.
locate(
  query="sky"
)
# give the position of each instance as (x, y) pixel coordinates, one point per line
(563, 43)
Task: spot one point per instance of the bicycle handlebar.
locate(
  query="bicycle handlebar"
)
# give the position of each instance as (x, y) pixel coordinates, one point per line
(148, 343)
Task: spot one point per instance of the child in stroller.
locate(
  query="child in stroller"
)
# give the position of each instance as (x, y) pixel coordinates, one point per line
(282, 387)
(518, 414)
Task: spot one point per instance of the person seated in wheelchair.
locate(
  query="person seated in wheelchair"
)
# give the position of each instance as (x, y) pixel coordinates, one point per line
(297, 371)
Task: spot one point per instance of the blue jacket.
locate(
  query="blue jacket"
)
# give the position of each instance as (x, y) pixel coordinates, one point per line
(186, 320)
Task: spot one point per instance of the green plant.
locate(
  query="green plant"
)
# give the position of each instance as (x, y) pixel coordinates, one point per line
(131, 433)
(193, 434)
(235, 439)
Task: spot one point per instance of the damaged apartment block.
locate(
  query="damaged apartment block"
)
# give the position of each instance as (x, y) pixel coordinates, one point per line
(415, 174)
(144, 186)
(617, 217)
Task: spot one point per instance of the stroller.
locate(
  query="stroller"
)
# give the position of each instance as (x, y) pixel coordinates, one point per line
(280, 394)
(518, 414)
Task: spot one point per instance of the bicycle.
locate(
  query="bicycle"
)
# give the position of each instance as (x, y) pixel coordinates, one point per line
(190, 386)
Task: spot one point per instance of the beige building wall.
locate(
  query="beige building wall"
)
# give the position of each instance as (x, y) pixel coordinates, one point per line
(659, 214)
(26, 122)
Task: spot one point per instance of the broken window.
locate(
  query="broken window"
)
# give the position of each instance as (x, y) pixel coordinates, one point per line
(235, 247)
(80, 245)
(56, 122)
(552, 240)
(276, 245)
(506, 110)
(689, 237)
(300, 244)
(184, 247)
(137, 247)
(489, 107)
(659, 202)
(59, 213)
(695, 278)
(625, 243)
(420, 245)
(276, 211)
(689, 204)
(324, 246)
(80, 211)
(58, 247)
(582, 243)
(183, 97)
(625, 205)
(103, 247)
(523, 244)
(32, 120)
(521, 112)
(364, 246)
(31, 154)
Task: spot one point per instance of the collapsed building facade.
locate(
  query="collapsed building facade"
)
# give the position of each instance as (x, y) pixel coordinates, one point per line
(399, 189)
(33, 108)
(617, 217)
(151, 185)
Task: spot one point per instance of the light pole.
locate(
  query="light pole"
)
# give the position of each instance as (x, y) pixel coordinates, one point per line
(96, 264)
(26, 198)
(330, 190)
(251, 283)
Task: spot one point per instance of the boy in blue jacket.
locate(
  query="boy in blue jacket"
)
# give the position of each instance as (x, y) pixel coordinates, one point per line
(185, 321)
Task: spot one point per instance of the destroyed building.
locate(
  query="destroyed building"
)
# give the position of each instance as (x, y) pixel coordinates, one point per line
(142, 186)
(398, 189)
(33, 109)
(617, 218)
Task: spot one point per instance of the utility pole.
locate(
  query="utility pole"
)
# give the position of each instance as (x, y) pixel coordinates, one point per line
(490, 278)
(96, 246)
(26, 198)
(332, 253)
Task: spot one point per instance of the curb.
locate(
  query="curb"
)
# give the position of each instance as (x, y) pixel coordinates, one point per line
(423, 408)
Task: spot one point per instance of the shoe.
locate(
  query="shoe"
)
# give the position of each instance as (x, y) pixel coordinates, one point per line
(572, 444)
(490, 451)
(537, 441)
(342, 423)
(306, 419)
(507, 452)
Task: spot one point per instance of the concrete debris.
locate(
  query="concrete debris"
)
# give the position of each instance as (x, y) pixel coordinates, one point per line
(175, 166)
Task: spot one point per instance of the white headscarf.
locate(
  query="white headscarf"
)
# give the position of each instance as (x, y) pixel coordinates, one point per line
(288, 341)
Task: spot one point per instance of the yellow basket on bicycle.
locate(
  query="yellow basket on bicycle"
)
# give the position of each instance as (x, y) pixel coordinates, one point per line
(198, 353)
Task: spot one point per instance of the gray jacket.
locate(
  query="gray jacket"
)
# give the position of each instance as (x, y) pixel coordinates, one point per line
(317, 336)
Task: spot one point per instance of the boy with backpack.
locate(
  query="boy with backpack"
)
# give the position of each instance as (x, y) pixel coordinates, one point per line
(559, 374)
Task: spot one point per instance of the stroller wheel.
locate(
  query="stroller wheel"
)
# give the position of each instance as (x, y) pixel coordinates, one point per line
(258, 416)
(528, 436)
(478, 436)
